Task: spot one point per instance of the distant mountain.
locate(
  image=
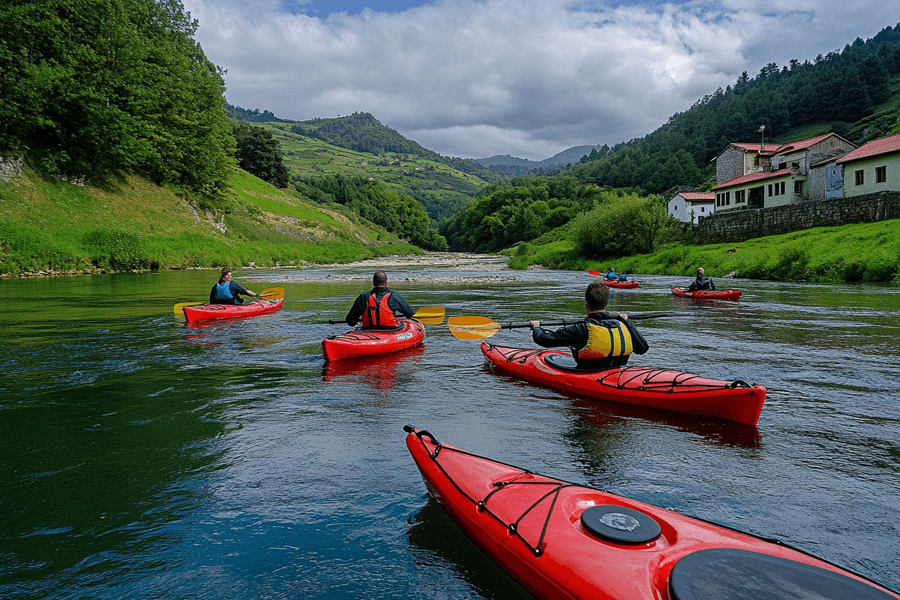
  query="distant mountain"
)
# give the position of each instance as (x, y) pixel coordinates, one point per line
(557, 161)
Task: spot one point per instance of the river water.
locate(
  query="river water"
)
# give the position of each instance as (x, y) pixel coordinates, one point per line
(142, 458)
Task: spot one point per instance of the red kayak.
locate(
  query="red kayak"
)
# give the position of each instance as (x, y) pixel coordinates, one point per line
(683, 292)
(624, 285)
(371, 342)
(562, 540)
(206, 312)
(661, 389)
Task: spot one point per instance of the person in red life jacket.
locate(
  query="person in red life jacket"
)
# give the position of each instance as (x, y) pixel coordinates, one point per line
(379, 307)
(226, 291)
(602, 340)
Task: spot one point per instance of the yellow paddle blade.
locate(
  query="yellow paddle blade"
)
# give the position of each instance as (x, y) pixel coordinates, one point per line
(430, 315)
(179, 308)
(472, 328)
(272, 293)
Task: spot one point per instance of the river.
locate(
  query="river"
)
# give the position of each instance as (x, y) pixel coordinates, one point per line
(142, 458)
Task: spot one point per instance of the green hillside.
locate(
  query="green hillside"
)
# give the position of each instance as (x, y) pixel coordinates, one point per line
(49, 225)
(440, 187)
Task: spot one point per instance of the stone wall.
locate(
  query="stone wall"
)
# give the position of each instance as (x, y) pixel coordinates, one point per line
(10, 168)
(740, 225)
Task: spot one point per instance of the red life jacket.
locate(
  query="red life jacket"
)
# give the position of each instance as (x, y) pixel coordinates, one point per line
(378, 314)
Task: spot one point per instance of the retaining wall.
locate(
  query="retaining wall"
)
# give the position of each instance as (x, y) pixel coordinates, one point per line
(744, 224)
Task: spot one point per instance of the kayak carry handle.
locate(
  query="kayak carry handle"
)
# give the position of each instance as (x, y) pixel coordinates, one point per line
(739, 382)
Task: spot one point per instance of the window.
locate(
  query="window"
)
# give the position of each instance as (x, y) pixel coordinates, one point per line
(781, 188)
(702, 209)
(859, 177)
(770, 190)
(798, 187)
(740, 196)
(880, 174)
(727, 198)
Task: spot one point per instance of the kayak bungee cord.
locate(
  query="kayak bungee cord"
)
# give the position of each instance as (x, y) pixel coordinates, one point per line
(512, 528)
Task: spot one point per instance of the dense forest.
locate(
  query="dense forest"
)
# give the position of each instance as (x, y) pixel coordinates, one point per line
(375, 202)
(92, 90)
(840, 91)
(840, 88)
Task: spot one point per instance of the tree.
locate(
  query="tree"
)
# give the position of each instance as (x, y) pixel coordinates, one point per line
(91, 89)
(259, 153)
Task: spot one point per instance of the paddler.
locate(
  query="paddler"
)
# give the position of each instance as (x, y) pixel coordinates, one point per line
(379, 307)
(702, 282)
(602, 340)
(226, 291)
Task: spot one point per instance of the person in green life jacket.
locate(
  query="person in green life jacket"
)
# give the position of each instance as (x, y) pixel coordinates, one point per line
(226, 291)
(379, 307)
(702, 282)
(602, 340)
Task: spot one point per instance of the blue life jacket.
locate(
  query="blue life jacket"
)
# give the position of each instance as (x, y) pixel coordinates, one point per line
(223, 291)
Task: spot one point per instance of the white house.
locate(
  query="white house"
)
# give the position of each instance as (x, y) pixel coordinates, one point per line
(873, 167)
(690, 207)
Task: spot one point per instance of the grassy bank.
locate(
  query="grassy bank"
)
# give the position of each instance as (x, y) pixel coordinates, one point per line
(863, 252)
(52, 226)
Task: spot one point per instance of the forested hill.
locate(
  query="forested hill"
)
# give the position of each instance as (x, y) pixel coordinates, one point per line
(854, 93)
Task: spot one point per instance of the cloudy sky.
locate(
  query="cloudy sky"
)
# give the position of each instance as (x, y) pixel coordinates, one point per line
(530, 78)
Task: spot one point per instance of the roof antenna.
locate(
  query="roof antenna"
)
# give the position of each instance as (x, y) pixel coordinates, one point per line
(762, 145)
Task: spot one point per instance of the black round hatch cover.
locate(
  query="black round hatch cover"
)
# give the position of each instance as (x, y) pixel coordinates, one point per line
(731, 574)
(620, 524)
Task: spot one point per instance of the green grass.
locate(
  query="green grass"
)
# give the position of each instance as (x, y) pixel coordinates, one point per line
(53, 226)
(862, 252)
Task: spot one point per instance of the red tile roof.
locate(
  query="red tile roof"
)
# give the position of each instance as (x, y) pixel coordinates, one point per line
(756, 147)
(873, 148)
(761, 176)
(698, 196)
(802, 144)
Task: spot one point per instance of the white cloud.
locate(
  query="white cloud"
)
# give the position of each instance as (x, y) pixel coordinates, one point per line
(524, 77)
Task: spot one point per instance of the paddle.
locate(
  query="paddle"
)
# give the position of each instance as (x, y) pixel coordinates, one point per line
(480, 328)
(430, 315)
(594, 273)
(267, 294)
(427, 315)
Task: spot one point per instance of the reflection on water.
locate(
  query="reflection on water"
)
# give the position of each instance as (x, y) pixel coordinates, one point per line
(230, 461)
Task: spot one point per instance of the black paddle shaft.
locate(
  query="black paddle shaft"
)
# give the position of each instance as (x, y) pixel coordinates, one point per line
(633, 317)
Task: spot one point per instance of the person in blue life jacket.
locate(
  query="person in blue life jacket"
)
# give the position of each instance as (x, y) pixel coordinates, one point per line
(702, 282)
(226, 291)
(379, 307)
(611, 274)
(602, 340)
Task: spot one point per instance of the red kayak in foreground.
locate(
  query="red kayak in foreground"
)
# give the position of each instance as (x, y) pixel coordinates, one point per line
(207, 312)
(662, 389)
(683, 292)
(562, 540)
(370, 342)
(625, 285)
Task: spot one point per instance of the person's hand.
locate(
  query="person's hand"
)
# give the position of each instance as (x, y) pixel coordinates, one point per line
(535, 324)
(623, 316)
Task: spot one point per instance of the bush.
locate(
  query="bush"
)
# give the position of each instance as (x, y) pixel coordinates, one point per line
(622, 226)
(118, 248)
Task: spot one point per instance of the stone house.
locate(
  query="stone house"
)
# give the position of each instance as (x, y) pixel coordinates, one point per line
(873, 167)
(690, 207)
(778, 174)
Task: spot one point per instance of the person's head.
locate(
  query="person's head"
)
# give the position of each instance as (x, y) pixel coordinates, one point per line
(597, 296)
(700, 272)
(226, 273)
(379, 279)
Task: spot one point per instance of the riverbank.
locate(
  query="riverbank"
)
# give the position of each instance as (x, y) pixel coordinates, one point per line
(860, 252)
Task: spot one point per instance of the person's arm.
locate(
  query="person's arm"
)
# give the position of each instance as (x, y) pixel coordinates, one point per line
(212, 295)
(398, 304)
(573, 336)
(357, 310)
(712, 284)
(237, 288)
